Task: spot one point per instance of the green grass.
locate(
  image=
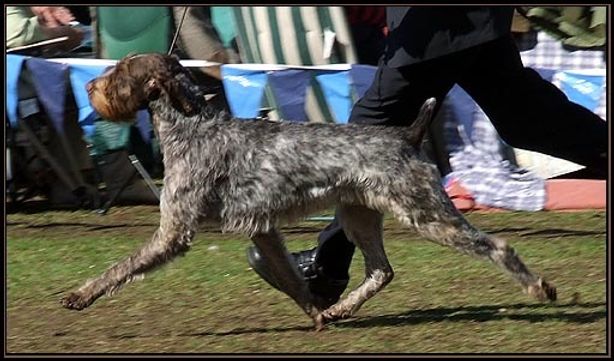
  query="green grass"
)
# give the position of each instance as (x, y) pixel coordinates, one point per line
(211, 302)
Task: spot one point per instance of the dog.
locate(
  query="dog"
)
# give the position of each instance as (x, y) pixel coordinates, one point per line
(253, 176)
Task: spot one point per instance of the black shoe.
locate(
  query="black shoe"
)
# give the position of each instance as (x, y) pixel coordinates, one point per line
(327, 290)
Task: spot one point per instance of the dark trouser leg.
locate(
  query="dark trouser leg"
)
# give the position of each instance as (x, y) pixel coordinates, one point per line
(372, 42)
(394, 99)
(335, 251)
(531, 113)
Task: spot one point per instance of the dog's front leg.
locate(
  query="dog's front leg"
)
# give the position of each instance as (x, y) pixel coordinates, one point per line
(286, 275)
(174, 236)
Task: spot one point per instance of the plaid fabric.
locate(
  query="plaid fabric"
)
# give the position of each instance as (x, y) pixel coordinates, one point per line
(550, 54)
(478, 161)
(478, 157)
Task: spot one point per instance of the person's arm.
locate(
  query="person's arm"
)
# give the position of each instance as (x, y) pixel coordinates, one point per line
(22, 27)
(52, 16)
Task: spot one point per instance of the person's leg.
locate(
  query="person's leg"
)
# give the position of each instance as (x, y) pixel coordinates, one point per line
(370, 43)
(530, 112)
(393, 99)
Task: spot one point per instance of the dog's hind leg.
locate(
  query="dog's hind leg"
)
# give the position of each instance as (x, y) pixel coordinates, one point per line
(439, 221)
(177, 228)
(364, 227)
(285, 274)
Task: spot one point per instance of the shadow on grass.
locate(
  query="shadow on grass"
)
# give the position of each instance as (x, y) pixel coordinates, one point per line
(457, 314)
(87, 226)
(550, 233)
(547, 232)
(96, 226)
(238, 331)
(483, 314)
(525, 232)
(90, 226)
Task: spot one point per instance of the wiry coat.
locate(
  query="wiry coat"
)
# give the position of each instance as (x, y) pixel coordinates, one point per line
(253, 176)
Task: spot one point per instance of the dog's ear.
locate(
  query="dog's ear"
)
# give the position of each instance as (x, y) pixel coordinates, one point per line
(173, 61)
(211, 89)
(177, 95)
(180, 97)
(152, 90)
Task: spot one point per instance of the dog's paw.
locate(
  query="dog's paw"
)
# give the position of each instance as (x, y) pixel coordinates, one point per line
(319, 322)
(543, 291)
(335, 313)
(74, 301)
(329, 315)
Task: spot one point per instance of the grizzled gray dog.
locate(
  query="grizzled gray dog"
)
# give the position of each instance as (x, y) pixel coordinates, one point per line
(253, 176)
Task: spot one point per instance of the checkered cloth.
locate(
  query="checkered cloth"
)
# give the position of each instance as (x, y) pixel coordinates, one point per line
(477, 159)
(550, 54)
(477, 155)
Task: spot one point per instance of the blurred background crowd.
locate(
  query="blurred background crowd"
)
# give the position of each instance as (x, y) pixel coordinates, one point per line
(69, 168)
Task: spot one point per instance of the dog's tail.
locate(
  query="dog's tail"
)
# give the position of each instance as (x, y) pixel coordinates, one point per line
(422, 122)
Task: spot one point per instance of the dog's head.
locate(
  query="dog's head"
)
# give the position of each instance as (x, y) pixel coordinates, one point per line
(137, 80)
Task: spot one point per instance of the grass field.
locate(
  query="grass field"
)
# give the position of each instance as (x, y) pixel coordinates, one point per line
(210, 301)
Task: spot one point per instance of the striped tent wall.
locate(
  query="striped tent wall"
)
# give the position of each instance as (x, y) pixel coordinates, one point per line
(294, 35)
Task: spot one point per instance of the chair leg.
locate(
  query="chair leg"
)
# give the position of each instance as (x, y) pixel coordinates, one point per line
(150, 183)
(105, 208)
(138, 169)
